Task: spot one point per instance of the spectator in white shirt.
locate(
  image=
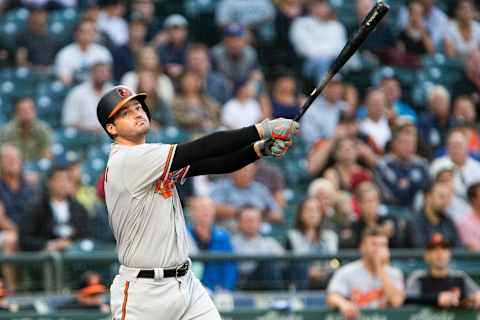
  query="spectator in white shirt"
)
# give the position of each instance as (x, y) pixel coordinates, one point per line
(243, 110)
(318, 38)
(111, 22)
(376, 123)
(80, 107)
(466, 171)
(73, 62)
(463, 32)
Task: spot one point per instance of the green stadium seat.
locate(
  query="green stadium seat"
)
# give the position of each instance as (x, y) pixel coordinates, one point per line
(197, 7)
(75, 140)
(61, 23)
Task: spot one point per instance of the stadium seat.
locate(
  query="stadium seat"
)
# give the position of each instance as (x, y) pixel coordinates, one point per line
(61, 23)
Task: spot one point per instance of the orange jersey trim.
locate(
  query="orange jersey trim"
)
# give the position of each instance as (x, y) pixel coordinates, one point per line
(125, 298)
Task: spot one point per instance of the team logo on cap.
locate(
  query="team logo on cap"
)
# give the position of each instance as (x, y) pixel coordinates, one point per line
(122, 92)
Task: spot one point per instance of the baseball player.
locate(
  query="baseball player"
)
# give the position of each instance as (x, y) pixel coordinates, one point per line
(144, 210)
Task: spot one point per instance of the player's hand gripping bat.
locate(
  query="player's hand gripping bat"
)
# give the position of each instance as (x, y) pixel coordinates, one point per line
(369, 23)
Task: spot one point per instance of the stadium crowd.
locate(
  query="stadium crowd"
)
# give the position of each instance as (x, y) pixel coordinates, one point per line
(384, 167)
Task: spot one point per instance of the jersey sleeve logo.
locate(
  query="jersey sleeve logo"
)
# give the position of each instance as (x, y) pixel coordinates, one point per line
(165, 186)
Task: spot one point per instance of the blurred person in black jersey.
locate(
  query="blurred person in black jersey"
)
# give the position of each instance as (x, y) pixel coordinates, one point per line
(440, 285)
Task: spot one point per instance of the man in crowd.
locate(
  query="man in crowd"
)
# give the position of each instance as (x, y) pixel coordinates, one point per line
(31, 136)
(466, 170)
(440, 285)
(249, 241)
(73, 62)
(376, 124)
(207, 237)
(370, 282)
(55, 220)
(469, 223)
(433, 218)
(241, 190)
(402, 173)
(79, 109)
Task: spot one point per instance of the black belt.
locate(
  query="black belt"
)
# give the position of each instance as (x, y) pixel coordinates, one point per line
(167, 273)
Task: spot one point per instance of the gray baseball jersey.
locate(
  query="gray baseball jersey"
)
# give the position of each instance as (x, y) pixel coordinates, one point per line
(144, 209)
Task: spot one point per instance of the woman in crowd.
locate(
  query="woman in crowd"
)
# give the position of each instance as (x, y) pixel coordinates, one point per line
(148, 59)
(310, 236)
(463, 32)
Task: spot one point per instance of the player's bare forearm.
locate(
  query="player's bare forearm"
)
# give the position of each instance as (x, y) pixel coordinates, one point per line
(214, 145)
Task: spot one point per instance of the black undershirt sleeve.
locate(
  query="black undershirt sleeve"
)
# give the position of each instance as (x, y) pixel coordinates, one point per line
(223, 164)
(212, 146)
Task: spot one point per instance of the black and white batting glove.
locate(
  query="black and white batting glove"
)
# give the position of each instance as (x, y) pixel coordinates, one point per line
(273, 148)
(279, 129)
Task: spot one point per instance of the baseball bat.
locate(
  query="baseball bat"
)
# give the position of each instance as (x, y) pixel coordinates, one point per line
(368, 24)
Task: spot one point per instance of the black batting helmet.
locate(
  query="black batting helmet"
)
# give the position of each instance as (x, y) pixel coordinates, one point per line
(113, 100)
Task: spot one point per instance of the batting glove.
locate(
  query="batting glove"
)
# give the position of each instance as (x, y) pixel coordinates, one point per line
(274, 148)
(279, 128)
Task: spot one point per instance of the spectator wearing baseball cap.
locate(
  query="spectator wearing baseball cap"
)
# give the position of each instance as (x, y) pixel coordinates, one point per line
(234, 57)
(172, 51)
(439, 285)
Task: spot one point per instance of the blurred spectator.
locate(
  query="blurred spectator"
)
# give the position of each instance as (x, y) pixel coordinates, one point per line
(440, 285)
(73, 62)
(147, 9)
(285, 97)
(367, 283)
(55, 220)
(36, 47)
(325, 192)
(92, 293)
(250, 13)
(436, 121)
(324, 113)
(240, 190)
(381, 41)
(80, 106)
(390, 84)
(310, 236)
(282, 52)
(434, 19)
(469, 224)
(271, 177)
(256, 275)
(207, 237)
(8, 243)
(463, 32)
(318, 38)
(466, 170)
(465, 117)
(469, 83)
(321, 151)
(345, 173)
(15, 191)
(414, 41)
(83, 194)
(374, 215)
(402, 173)
(193, 110)
(243, 109)
(173, 50)
(111, 22)
(234, 57)
(30, 135)
(51, 4)
(376, 124)
(160, 109)
(4, 301)
(147, 59)
(214, 83)
(124, 56)
(433, 218)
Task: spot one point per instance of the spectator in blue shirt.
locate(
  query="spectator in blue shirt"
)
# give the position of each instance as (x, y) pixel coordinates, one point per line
(208, 237)
(434, 125)
(433, 218)
(402, 173)
(241, 190)
(15, 192)
(172, 53)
